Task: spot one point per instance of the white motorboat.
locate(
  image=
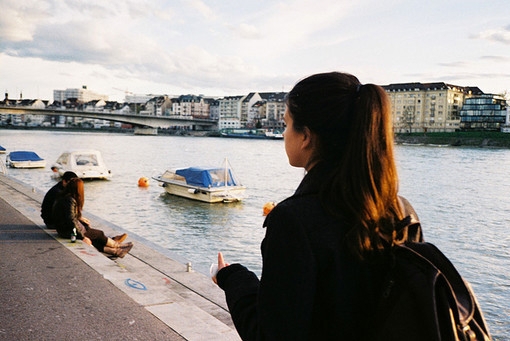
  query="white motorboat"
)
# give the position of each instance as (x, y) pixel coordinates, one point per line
(24, 159)
(274, 134)
(207, 184)
(87, 164)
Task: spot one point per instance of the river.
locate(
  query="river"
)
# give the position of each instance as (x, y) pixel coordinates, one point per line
(461, 196)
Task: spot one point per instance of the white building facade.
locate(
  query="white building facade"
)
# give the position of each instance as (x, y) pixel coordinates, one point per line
(230, 112)
(82, 95)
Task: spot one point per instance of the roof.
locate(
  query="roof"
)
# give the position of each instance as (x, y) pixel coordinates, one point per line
(430, 86)
(273, 96)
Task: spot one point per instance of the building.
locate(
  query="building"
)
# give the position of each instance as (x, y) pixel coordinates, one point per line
(81, 95)
(248, 120)
(214, 108)
(427, 107)
(506, 127)
(230, 112)
(24, 119)
(484, 112)
(158, 106)
(274, 110)
(190, 106)
(139, 99)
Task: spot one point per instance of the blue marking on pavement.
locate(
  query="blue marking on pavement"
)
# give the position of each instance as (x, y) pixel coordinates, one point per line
(135, 284)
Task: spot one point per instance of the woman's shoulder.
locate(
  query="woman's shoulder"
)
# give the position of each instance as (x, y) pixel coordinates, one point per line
(299, 210)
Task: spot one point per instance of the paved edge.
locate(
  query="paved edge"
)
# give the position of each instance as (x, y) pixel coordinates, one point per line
(188, 302)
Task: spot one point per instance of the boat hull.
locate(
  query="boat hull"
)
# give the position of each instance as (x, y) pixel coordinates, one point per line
(86, 174)
(209, 195)
(26, 164)
(24, 159)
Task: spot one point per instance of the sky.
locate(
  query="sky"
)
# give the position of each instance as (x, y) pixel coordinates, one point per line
(232, 47)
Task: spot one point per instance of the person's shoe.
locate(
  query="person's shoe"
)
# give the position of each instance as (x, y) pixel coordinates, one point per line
(120, 238)
(120, 251)
(125, 248)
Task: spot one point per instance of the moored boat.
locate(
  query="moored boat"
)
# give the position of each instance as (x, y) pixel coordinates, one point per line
(274, 134)
(207, 184)
(252, 133)
(87, 164)
(2, 150)
(24, 159)
(244, 133)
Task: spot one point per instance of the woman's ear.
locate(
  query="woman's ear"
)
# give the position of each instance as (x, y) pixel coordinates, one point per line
(308, 138)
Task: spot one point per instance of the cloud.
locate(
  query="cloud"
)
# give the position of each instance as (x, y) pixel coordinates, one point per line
(501, 35)
(19, 20)
(246, 31)
(457, 64)
(496, 59)
(202, 8)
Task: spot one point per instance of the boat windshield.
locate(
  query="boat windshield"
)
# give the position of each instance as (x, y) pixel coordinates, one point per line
(86, 160)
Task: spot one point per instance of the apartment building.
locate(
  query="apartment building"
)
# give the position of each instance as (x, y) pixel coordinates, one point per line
(81, 95)
(190, 106)
(274, 110)
(247, 119)
(427, 107)
(230, 112)
(158, 106)
(214, 108)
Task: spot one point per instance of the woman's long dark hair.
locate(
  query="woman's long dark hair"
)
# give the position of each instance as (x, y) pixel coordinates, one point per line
(75, 189)
(352, 124)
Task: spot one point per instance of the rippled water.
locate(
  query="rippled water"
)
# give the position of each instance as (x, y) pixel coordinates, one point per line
(462, 196)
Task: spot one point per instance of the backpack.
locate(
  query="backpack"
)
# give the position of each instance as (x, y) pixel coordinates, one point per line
(423, 297)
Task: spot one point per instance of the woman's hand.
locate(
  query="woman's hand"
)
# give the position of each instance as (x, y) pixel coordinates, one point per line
(87, 240)
(221, 265)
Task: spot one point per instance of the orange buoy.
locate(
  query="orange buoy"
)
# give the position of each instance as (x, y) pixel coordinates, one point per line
(143, 182)
(268, 206)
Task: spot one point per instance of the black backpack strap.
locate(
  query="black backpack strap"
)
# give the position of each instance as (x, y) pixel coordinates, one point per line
(414, 230)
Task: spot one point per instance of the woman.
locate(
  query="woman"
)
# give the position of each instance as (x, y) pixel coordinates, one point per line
(67, 216)
(323, 253)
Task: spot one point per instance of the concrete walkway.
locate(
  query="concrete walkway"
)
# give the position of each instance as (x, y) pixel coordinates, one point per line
(52, 289)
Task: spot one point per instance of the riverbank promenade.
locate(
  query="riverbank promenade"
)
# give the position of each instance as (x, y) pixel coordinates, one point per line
(52, 289)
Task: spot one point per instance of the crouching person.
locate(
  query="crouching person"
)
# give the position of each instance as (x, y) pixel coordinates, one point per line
(67, 217)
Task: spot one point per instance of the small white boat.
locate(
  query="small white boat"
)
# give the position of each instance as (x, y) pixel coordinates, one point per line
(207, 184)
(24, 159)
(274, 134)
(87, 164)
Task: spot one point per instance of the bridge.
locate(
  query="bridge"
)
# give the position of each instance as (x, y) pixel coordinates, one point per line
(136, 120)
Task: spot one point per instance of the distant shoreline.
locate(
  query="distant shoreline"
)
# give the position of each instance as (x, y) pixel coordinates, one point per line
(162, 132)
(455, 139)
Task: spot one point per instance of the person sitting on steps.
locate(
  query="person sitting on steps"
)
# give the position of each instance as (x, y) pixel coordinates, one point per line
(51, 196)
(67, 216)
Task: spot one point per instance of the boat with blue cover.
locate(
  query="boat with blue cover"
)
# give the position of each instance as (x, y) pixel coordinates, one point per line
(24, 159)
(207, 184)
